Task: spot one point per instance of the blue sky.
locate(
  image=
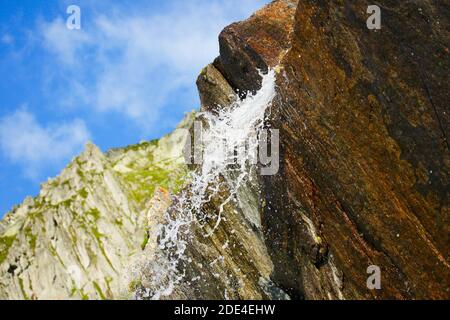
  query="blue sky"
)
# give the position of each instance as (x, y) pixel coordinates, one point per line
(128, 74)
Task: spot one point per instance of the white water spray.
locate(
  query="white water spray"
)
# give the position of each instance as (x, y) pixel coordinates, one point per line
(234, 128)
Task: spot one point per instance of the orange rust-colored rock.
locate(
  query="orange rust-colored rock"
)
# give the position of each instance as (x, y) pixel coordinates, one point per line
(255, 44)
(364, 120)
(364, 124)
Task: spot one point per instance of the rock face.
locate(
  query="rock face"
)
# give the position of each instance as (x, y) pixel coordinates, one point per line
(250, 47)
(215, 92)
(77, 239)
(364, 119)
(363, 180)
(364, 124)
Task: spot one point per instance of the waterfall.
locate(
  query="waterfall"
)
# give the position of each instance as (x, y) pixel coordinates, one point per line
(230, 147)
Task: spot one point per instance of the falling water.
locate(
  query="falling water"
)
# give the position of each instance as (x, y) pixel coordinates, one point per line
(234, 128)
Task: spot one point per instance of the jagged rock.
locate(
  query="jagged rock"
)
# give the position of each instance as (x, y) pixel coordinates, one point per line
(364, 150)
(229, 260)
(251, 46)
(215, 92)
(78, 238)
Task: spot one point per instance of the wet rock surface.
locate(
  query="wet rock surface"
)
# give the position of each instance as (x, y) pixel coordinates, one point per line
(365, 159)
(364, 120)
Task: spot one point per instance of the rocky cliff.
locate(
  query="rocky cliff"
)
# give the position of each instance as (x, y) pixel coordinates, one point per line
(364, 179)
(363, 118)
(363, 175)
(79, 237)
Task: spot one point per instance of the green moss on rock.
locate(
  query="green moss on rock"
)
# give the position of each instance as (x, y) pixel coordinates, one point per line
(94, 213)
(145, 241)
(83, 193)
(99, 290)
(5, 244)
(31, 237)
(22, 288)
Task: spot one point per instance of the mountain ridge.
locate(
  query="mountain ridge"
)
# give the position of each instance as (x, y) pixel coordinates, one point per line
(86, 223)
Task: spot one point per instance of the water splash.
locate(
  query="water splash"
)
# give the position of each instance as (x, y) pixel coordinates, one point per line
(234, 129)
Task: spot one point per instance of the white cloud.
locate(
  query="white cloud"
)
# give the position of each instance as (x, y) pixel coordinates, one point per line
(63, 42)
(139, 60)
(36, 147)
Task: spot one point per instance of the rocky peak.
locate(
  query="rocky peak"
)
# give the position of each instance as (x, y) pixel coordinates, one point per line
(78, 237)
